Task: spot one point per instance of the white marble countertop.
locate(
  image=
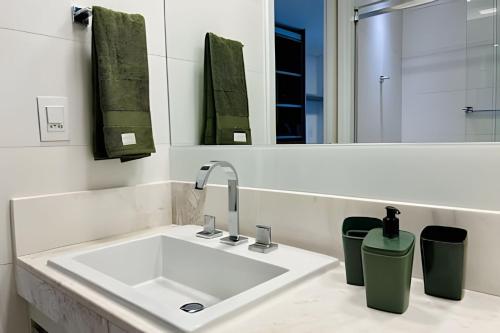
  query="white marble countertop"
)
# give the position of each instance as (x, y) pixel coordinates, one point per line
(324, 303)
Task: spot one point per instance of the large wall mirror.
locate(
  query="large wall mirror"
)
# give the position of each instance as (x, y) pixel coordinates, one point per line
(389, 103)
(360, 71)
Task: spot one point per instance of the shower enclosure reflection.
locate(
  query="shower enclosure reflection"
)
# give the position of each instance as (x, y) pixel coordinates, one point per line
(441, 58)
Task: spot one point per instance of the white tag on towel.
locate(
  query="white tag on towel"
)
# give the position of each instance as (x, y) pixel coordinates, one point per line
(128, 139)
(239, 137)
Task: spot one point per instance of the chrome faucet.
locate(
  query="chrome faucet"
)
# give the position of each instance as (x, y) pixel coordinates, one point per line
(233, 222)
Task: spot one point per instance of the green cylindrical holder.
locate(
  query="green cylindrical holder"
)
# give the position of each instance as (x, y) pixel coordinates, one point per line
(388, 273)
(354, 230)
(443, 251)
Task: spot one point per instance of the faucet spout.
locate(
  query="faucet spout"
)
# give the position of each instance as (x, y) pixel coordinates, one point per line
(233, 200)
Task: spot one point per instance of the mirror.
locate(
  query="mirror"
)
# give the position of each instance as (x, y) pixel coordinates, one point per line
(426, 73)
(420, 71)
(299, 57)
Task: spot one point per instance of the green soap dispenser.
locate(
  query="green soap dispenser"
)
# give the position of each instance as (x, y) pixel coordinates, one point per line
(387, 256)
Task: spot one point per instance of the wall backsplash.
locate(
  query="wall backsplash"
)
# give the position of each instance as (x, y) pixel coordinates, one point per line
(314, 222)
(78, 217)
(454, 175)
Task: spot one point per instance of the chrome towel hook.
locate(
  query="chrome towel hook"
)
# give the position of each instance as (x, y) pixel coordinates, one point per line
(81, 15)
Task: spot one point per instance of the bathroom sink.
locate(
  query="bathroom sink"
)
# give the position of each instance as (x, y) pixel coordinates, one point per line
(186, 281)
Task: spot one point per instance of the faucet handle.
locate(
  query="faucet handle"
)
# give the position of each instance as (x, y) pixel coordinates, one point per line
(209, 230)
(263, 241)
(263, 235)
(209, 223)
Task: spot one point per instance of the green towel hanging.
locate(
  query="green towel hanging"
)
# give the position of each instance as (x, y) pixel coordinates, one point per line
(122, 120)
(225, 102)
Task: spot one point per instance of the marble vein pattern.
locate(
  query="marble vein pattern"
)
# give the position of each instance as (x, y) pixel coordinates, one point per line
(58, 307)
(188, 204)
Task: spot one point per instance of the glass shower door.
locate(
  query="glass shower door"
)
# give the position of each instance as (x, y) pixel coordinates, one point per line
(481, 111)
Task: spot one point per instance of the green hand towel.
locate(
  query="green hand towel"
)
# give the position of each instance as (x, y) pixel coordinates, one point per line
(122, 120)
(225, 102)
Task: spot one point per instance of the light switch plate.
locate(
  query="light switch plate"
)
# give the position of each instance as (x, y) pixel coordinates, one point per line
(53, 118)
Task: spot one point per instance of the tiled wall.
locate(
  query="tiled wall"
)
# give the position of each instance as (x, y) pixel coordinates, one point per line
(43, 53)
(482, 72)
(434, 72)
(449, 63)
(83, 216)
(241, 20)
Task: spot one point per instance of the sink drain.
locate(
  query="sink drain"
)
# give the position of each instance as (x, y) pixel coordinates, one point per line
(192, 307)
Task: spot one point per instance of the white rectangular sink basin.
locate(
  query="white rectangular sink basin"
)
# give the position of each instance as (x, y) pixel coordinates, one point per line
(160, 273)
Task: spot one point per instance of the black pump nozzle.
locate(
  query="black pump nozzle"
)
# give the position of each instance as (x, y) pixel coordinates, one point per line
(391, 222)
(392, 211)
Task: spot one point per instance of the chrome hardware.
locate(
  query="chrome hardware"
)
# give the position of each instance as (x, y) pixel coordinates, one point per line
(81, 15)
(382, 78)
(192, 307)
(470, 109)
(232, 241)
(233, 222)
(378, 7)
(209, 230)
(263, 241)
(263, 235)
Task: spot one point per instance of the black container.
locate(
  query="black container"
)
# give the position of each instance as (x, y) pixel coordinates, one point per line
(443, 251)
(354, 230)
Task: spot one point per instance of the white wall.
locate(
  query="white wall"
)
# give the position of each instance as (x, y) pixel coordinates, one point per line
(43, 53)
(187, 22)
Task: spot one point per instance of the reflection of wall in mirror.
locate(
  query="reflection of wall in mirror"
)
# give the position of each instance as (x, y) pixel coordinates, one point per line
(242, 20)
(434, 73)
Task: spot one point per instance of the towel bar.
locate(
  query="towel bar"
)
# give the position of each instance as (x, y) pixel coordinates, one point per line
(81, 15)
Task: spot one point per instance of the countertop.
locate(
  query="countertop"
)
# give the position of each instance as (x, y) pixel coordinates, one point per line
(324, 303)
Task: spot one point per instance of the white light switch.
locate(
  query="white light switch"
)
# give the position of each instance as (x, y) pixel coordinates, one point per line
(53, 118)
